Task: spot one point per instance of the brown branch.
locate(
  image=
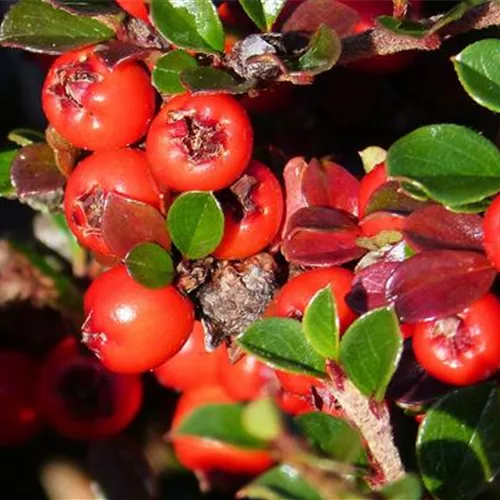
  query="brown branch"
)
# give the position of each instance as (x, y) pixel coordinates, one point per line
(380, 41)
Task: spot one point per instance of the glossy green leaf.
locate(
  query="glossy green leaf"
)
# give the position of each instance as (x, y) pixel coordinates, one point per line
(321, 324)
(87, 7)
(6, 158)
(458, 444)
(166, 74)
(36, 26)
(281, 343)
(207, 78)
(451, 163)
(454, 14)
(263, 12)
(189, 24)
(196, 223)
(478, 69)
(281, 483)
(404, 27)
(150, 265)
(323, 51)
(333, 437)
(220, 422)
(407, 488)
(262, 419)
(370, 350)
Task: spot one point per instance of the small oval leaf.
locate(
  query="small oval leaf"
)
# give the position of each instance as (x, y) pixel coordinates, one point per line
(261, 418)
(407, 488)
(322, 53)
(167, 71)
(370, 350)
(263, 12)
(150, 265)
(196, 223)
(6, 159)
(207, 78)
(281, 343)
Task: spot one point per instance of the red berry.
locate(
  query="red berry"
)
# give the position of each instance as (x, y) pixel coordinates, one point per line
(295, 383)
(132, 328)
(293, 298)
(248, 234)
(95, 107)
(462, 349)
(245, 380)
(136, 8)
(203, 454)
(369, 184)
(293, 404)
(83, 400)
(407, 329)
(193, 366)
(19, 419)
(122, 171)
(200, 142)
(491, 232)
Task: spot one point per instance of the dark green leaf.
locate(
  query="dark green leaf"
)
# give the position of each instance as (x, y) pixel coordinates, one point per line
(478, 69)
(323, 51)
(403, 26)
(281, 343)
(150, 265)
(455, 13)
(333, 437)
(407, 488)
(167, 71)
(196, 223)
(6, 158)
(471, 208)
(280, 483)
(452, 164)
(36, 26)
(189, 24)
(263, 12)
(262, 419)
(220, 422)
(87, 7)
(206, 78)
(370, 351)
(458, 444)
(321, 324)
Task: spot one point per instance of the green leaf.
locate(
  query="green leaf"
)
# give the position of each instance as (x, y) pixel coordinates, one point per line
(220, 422)
(263, 12)
(407, 488)
(189, 24)
(261, 418)
(478, 69)
(333, 437)
(454, 14)
(321, 324)
(36, 26)
(458, 444)
(323, 51)
(150, 265)
(281, 343)
(167, 71)
(6, 158)
(281, 483)
(25, 136)
(370, 351)
(196, 223)
(404, 27)
(452, 164)
(207, 78)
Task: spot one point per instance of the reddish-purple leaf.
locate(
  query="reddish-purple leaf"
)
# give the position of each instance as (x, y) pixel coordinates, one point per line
(326, 184)
(319, 236)
(126, 223)
(116, 52)
(434, 227)
(438, 283)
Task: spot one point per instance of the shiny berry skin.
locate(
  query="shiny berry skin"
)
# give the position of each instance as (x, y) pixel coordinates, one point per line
(297, 384)
(463, 349)
(293, 404)
(193, 366)
(369, 184)
(247, 234)
(247, 379)
(80, 398)
(132, 328)
(95, 107)
(122, 171)
(19, 417)
(200, 142)
(201, 454)
(293, 298)
(136, 8)
(491, 233)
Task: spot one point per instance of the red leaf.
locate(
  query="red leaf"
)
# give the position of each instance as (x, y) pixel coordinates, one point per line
(390, 197)
(327, 184)
(438, 283)
(126, 223)
(434, 227)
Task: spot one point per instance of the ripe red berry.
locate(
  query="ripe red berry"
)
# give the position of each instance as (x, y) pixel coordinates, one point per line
(200, 142)
(96, 107)
(462, 349)
(122, 171)
(19, 418)
(193, 366)
(136, 8)
(293, 298)
(491, 232)
(81, 399)
(262, 205)
(293, 404)
(197, 453)
(295, 383)
(369, 184)
(132, 328)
